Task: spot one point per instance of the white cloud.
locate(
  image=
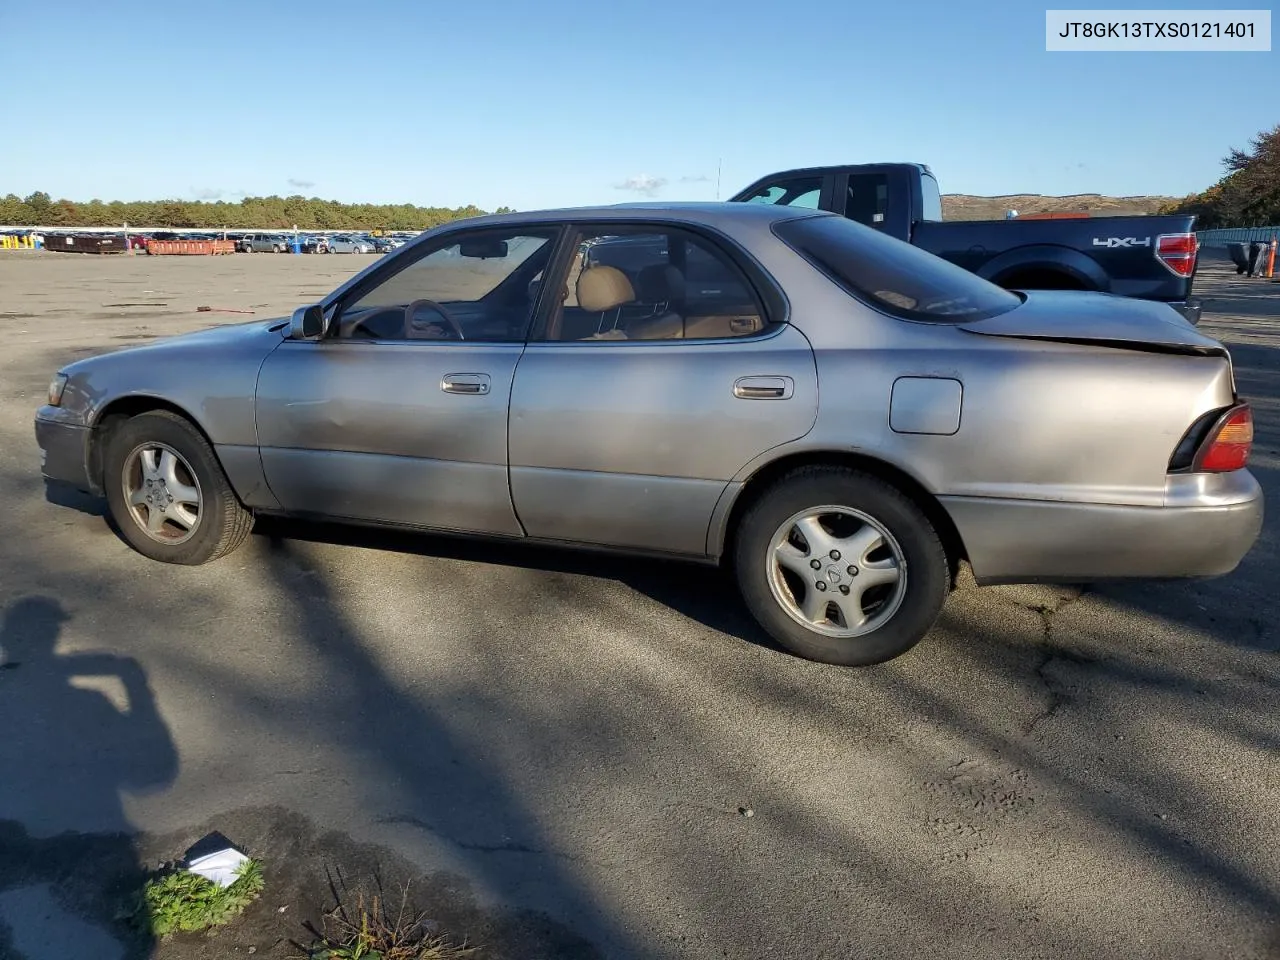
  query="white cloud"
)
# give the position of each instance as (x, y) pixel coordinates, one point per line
(301, 184)
(643, 184)
(206, 193)
(696, 178)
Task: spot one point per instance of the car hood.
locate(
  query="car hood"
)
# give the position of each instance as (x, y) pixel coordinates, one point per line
(1101, 319)
(232, 339)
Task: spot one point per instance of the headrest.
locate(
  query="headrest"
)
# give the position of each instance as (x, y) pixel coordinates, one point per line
(603, 288)
(660, 283)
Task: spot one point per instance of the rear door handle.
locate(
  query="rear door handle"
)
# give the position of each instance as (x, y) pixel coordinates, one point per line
(475, 384)
(764, 388)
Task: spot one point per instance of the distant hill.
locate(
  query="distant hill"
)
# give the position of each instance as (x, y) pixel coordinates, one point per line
(960, 206)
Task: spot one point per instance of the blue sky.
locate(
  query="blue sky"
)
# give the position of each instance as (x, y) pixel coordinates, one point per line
(545, 103)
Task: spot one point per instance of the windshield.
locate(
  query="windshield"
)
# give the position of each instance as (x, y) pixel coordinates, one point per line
(893, 276)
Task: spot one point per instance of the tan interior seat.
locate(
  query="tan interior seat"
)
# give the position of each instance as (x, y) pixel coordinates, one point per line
(603, 288)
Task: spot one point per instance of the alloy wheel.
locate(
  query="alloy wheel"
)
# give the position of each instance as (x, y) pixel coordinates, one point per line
(837, 571)
(162, 492)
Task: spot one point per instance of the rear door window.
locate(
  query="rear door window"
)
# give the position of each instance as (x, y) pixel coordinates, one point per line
(866, 199)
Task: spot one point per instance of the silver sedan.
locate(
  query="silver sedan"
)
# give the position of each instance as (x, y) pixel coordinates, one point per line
(838, 418)
(348, 245)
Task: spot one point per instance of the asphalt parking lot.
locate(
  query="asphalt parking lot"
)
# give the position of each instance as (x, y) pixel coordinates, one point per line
(604, 757)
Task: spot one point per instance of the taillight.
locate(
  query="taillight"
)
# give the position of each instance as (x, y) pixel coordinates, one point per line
(1177, 251)
(1228, 444)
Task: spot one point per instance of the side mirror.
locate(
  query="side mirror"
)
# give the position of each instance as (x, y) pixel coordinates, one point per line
(307, 323)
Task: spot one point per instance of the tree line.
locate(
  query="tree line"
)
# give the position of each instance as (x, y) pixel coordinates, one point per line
(1247, 196)
(308, 213)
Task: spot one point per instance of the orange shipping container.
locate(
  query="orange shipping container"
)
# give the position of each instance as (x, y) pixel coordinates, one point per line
(190, 247)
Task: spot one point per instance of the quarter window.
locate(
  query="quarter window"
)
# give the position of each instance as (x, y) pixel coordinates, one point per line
(477, 286)
(930, 199)
(646, 284)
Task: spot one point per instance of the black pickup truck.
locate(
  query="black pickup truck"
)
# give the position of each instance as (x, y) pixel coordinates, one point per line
(1152, 258)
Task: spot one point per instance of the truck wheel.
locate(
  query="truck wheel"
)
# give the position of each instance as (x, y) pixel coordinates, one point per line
(840, 567)
(167, 492)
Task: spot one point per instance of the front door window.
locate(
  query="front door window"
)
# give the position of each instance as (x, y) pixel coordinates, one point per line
(798, 192)
(472, 286)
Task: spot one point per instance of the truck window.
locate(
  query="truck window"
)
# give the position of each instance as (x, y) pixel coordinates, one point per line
(867, 199)
(892, 276)
(931, 198)
(799, 192)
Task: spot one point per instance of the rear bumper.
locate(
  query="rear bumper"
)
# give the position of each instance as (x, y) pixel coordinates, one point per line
(1205, 531)
(64, 449)
(1190, 309)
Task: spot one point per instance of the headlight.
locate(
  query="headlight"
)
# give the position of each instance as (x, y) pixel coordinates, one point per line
(56, 386)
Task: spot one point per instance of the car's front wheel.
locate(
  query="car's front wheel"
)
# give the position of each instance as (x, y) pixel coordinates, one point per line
(167, 492)
(841, 567)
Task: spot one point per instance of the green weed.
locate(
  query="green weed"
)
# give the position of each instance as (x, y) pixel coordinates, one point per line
(176, 900)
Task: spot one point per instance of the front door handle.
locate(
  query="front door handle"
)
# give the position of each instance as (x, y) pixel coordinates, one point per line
(764, 388)
(474, 384)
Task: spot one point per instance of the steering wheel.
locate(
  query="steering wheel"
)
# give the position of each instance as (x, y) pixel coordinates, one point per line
(448, 318)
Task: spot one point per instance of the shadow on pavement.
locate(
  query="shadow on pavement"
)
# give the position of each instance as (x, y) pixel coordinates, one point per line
(75, 748)
(452, 793)
(700, 592)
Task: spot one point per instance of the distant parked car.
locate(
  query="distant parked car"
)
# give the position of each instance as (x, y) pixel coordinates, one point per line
(837, 416)
(315, 244)
(350, 245)
(270, 243)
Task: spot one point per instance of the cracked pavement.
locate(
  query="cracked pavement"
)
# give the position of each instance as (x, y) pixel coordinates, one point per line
(1054, 772)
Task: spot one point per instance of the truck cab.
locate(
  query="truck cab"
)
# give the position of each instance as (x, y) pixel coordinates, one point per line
(890, 197)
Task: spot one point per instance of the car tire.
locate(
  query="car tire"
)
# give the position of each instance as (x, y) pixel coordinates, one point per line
(221, 521)
(881, 530)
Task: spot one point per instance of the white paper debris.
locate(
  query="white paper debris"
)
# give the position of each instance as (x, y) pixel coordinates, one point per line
(219, 866)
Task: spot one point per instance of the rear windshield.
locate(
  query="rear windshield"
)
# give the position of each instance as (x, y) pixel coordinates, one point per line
(892, 275)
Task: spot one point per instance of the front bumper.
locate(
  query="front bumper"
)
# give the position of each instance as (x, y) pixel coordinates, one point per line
(64, 452)
(1208, 525)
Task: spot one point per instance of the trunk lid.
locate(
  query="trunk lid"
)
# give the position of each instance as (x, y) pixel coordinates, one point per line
(1099, 319)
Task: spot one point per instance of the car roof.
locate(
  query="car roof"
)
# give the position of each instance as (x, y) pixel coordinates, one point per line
(711, 213)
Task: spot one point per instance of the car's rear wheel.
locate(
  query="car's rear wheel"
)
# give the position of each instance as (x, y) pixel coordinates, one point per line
(167, 492)
(841, 567)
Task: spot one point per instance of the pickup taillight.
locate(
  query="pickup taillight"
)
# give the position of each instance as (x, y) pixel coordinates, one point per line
(1177, 251)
